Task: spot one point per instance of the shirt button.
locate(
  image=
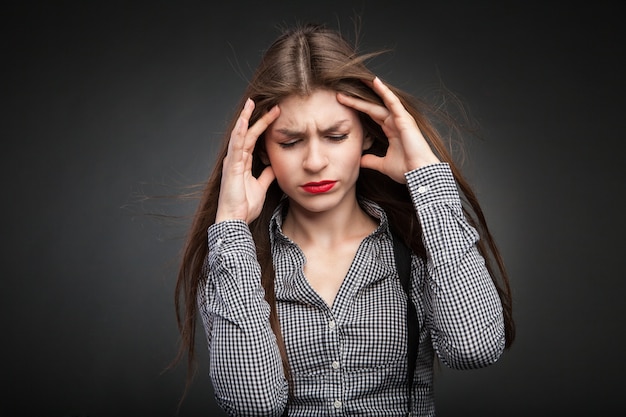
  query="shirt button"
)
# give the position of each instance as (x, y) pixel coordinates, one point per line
(337, 404)
(331, 324)
(335, 364)
(422, 189)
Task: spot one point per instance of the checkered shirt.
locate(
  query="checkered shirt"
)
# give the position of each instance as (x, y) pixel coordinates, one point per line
(350, 358)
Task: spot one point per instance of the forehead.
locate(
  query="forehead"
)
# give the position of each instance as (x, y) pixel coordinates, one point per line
(320, 107)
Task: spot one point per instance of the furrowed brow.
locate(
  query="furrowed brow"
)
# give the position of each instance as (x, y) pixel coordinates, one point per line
(291, 133)
(335, 127)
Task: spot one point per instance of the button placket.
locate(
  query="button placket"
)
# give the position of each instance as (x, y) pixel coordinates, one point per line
(335, 363)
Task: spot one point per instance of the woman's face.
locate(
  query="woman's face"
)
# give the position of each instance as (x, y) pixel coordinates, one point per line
(315, 148)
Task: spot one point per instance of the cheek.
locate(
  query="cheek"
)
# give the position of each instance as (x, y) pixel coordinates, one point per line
(354, 159)
(284, 172)
(281, 164)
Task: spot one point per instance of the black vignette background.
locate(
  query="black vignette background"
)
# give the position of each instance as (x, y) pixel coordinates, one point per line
(104, 101)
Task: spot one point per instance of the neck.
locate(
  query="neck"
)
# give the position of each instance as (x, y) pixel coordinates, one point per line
(328, 228)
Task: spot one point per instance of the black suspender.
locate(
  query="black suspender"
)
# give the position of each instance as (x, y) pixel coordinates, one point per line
(402, 255)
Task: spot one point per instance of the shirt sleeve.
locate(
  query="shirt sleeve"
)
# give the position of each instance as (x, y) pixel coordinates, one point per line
(244, 360)
(464, 311)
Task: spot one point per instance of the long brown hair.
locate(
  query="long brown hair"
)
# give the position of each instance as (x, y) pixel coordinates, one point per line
(302, 59)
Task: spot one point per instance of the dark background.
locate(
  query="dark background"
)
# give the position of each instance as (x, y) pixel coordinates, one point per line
(106, 101)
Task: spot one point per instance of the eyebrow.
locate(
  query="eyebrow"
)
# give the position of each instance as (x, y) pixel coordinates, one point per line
(297, 133)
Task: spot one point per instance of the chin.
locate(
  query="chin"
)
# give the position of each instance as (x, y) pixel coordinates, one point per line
(318, 203)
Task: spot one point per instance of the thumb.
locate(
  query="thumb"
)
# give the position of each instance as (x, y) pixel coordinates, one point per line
(372, 162)
(266, 177)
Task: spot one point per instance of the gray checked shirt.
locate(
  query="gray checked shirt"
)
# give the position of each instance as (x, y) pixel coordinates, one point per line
(350, 358)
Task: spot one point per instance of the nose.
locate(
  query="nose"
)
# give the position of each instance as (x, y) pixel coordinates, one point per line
(315, 158)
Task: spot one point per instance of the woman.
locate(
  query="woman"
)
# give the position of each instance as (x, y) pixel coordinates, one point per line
(297, 284)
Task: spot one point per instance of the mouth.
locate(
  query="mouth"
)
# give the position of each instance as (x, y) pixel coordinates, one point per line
(319, 187)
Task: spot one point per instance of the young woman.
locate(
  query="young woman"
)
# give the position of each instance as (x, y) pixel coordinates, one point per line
(290, 261)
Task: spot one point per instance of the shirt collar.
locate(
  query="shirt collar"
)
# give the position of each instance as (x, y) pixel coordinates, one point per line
(370, 207)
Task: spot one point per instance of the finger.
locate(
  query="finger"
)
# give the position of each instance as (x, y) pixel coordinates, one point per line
(392, 102)
(237, 136)
(375, 111)
(259, 127)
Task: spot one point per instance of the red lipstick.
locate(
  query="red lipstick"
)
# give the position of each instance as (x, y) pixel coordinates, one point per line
(319, 187)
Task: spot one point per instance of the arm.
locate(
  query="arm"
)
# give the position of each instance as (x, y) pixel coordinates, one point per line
(245, 364)
(462, 303)
(461, 300)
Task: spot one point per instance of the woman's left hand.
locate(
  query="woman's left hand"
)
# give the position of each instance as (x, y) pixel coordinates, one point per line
(408, 150)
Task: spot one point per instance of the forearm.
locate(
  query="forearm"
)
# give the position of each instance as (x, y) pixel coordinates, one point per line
(245, 364)
(465, 310)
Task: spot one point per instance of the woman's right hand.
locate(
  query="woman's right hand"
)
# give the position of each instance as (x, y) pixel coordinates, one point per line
(241, 194)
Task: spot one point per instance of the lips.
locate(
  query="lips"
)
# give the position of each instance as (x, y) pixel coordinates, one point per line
(319, 187)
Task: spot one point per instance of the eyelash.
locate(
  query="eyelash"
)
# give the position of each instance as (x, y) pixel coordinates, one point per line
(287, 145)
(332, 138)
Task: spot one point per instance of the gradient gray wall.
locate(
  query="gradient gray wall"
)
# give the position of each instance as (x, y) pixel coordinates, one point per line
(103, 101)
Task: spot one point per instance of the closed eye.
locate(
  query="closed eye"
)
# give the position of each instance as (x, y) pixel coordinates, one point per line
(288, 144)
(292, 142)
(337, 138)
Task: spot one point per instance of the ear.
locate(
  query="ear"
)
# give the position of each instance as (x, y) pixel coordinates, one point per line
(368, 141)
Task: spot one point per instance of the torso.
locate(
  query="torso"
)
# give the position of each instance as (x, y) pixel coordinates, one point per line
(329, 252)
